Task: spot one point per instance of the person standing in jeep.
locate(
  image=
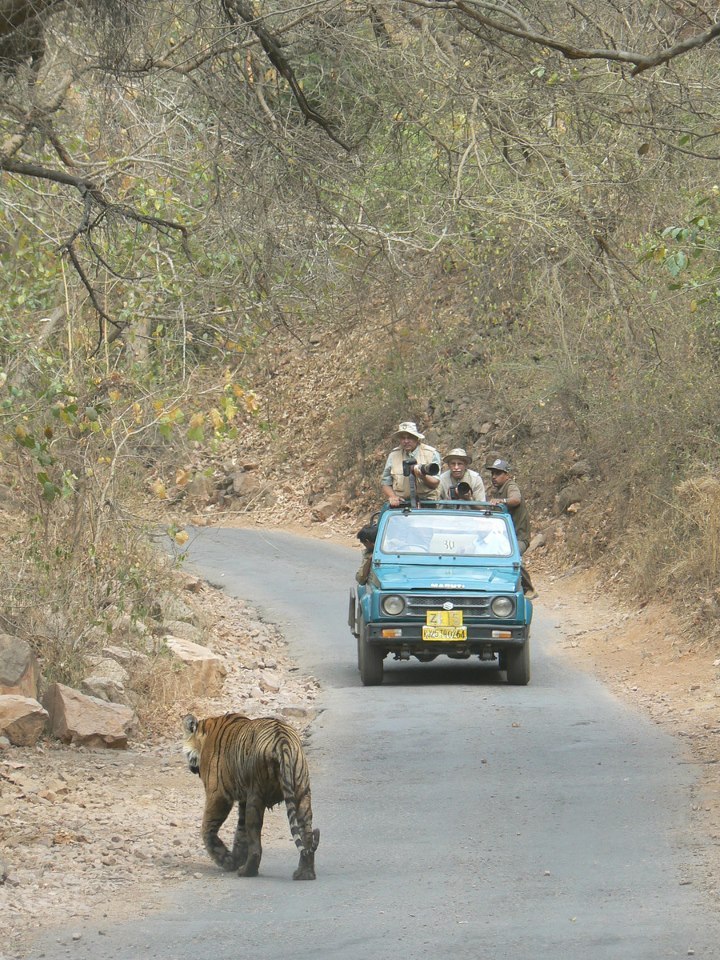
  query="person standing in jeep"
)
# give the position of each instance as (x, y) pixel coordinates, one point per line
(412, 456)
(459, 482)
(506, 491)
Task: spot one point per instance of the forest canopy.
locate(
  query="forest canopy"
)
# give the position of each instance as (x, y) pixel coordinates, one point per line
(519, 199)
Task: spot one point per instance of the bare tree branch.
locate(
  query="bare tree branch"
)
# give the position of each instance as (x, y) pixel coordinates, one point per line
(274, 54)
(516, 26)
(93, 197)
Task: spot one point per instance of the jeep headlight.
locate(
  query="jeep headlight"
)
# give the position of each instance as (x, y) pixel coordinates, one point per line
(393, 606)
(502, 607)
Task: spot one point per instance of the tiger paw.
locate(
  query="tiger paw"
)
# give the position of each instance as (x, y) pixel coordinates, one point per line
(250, 868)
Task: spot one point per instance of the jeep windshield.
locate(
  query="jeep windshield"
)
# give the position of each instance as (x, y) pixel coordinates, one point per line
(446, 534)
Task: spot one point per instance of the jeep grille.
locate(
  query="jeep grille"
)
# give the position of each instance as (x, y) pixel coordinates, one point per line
(472, 606)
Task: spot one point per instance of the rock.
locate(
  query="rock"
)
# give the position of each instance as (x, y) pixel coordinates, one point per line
(245, 484)
(121, 626)
(123, 655)
(580, 469)
(269, 684)
(103, 688)
(568, 496)
(328, 508)
(106, 681)
(22, 719)
(109, 668)
(186, 631)
(205, 670)
(193, 585)
(19, 671)
(539, 540)
(199, 488)
(80, 719)
(297, 710)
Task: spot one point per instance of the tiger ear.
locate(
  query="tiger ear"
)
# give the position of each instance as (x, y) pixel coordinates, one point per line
(190, 723)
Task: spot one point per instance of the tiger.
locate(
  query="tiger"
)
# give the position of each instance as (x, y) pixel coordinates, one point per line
(257, 763)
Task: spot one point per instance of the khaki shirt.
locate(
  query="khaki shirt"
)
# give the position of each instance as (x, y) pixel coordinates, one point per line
(471, 477)
(393, 474)
(519, 514)
(364, 569)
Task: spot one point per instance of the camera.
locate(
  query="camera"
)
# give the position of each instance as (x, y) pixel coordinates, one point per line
(426, 469)
(461, 491)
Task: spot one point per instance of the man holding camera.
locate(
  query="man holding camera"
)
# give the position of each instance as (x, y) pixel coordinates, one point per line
(411, 464)
(459, 482)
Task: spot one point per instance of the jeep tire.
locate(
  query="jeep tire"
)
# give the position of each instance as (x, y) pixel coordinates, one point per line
(517, 664)
(370, 660)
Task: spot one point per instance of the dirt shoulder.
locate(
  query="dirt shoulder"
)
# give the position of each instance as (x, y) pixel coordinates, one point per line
(101, 834)
(84, 834)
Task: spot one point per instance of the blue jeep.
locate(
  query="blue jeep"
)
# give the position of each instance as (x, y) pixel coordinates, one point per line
(444, 579)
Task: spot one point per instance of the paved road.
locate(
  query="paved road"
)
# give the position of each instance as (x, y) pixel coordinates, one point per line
(458, 816)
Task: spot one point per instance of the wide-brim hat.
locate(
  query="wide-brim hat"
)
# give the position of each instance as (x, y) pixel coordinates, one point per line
(407, 426)
(501, 466)
(458, 454)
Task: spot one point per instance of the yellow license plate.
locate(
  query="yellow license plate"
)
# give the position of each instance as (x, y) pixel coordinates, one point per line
(444, 633)
(444, 618)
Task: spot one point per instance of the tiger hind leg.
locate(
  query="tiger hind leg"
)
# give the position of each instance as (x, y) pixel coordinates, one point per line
(216, 813)
(254, 816)
(240, 843)
(306, 867)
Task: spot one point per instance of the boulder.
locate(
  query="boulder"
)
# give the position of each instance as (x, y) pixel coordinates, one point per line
(245, 484)
(569, 496)
(124, 655)
(328, 508)
(80, 719)
(106, 681)
(19, 671)
(22, 719)
(110, 668)
(205, 671)
(199, 488)
(539, 540)
(580, 469)
(186, 631)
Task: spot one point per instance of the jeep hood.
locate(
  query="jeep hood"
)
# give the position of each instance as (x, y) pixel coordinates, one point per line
(446, 577)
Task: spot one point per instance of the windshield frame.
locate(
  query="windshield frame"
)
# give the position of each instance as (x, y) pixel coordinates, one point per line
(446, 534)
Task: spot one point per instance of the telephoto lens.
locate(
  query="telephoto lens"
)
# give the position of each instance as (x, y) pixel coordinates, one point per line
(429, 469)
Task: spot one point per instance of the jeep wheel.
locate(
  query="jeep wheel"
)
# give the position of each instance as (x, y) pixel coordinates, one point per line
(517, 665)
(371, 662)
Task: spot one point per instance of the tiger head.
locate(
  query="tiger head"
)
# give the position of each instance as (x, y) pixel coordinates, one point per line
(192, 744)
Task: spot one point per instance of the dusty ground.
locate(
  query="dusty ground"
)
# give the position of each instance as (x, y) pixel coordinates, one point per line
(88, 833)
(80, 831)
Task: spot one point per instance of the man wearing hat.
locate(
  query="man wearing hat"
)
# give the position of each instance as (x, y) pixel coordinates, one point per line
(459, 482)
(505, 490)
(395, 485)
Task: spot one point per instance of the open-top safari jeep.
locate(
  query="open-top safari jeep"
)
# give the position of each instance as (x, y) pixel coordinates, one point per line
(444, 580)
